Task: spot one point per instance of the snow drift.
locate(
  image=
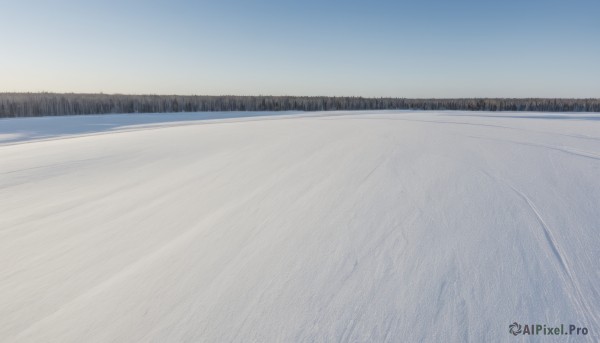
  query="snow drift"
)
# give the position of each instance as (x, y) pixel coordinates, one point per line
(362, 226)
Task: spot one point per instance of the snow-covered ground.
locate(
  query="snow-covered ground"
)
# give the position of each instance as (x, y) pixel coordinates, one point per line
(357, 226)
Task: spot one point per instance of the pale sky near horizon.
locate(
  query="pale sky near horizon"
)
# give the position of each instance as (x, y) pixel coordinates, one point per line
(428, 48)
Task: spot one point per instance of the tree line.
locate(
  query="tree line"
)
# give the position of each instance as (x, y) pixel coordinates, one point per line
(53, 104)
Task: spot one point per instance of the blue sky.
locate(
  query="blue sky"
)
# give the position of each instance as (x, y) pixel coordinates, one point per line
(422, 48)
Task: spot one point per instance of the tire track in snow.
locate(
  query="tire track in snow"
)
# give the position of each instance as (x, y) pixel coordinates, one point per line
(555, 249)
(566, 150)
(464, 123)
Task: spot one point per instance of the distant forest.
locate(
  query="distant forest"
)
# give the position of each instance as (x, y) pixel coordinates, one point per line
(53, 104)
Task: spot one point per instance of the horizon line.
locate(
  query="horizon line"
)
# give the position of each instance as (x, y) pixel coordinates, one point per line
(287, 95)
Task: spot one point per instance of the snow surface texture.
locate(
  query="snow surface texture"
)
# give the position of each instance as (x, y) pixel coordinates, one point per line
(357, 226)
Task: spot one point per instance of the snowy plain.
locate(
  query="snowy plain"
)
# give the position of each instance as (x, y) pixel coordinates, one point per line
(377, 226)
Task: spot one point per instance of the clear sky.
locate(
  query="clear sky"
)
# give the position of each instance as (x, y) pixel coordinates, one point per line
(426, 48)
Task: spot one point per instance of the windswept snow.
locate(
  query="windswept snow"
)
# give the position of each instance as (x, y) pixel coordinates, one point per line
(334, 226)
